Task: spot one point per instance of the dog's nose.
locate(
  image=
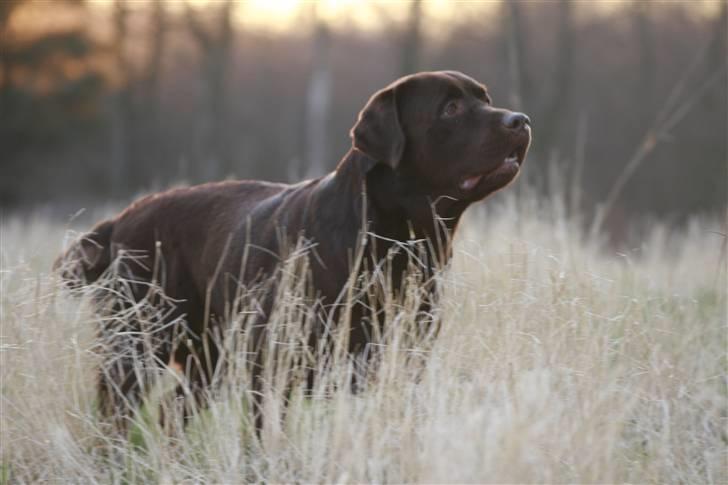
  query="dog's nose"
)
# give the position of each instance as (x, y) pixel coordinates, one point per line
(516, 121)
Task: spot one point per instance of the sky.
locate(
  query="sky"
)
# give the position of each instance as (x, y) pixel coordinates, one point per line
(282, 15)
(285, 14)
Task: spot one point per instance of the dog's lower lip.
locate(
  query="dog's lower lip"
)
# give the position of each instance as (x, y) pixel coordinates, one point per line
(469, 182)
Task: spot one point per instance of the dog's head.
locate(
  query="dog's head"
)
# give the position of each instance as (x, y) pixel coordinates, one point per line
(440, 132)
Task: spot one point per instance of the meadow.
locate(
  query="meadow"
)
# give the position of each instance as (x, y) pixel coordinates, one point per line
(560, 359)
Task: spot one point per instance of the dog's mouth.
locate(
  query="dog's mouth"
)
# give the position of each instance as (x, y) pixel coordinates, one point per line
(508, 167)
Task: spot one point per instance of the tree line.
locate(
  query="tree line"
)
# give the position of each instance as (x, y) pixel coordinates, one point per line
(628, 105)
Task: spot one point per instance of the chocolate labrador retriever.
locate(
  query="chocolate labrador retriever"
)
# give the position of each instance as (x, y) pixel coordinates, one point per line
(423, 149)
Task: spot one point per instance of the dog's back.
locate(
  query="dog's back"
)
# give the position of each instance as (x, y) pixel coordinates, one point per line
(181, 224)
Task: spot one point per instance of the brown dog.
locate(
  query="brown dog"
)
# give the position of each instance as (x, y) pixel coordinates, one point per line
(423, 149)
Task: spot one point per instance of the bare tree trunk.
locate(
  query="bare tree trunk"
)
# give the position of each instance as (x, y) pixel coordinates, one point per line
(411, 44)
(218, 82)
(716, 55)
(156, 50)
(6, 65)
(519, 81)
(647, 69)
(154, 152)
(121, 171)
(551, 114)
(318, 102)
(212, 141)
(6, 70)
(548, 111)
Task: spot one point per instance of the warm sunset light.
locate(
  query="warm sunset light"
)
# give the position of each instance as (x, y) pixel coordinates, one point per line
(277, 15)
(285, 14)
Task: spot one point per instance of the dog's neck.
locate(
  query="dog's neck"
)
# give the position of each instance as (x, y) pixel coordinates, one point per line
(395, 208)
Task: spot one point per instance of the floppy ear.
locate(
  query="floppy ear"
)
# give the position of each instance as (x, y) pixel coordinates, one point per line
(377, 131)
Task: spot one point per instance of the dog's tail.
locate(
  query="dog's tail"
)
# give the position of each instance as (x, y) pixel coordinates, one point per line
(87, 257)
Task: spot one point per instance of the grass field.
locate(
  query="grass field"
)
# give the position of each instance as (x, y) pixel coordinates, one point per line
(559, 360)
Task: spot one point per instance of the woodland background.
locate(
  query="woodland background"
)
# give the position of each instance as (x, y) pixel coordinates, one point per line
(104, 100)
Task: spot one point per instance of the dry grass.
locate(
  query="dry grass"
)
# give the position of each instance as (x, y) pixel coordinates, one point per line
(558, 362)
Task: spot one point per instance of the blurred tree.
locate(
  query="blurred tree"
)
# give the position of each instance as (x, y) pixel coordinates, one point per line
(647, 68)
(122, 110)
(515, 42)
(50, 92)
(151, 84)
(59, 114)
(547, 108)
(412, 40)
(6, 63)
(318, 100)
(215, 44)
(557, 100)
(157, 45)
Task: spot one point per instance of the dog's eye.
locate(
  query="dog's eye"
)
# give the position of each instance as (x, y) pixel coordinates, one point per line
(451, 109)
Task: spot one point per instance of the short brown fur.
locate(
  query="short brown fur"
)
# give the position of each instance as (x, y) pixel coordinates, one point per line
(424, 148)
